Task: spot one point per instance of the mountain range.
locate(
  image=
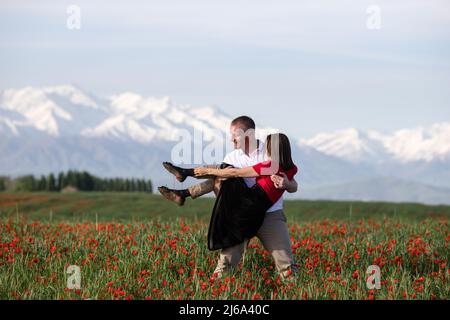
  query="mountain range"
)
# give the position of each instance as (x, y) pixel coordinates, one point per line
(49, 129)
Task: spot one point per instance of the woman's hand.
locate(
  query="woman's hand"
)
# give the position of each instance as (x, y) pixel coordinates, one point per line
(201, 171)
(282, 182)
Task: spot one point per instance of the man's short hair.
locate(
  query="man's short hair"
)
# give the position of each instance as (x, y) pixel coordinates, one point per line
(245, 122)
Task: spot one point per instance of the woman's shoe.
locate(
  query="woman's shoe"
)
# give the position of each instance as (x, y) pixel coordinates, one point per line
(176, 171)
(172, 195)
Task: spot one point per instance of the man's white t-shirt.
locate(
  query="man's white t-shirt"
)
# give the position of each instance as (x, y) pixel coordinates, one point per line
(237, 158)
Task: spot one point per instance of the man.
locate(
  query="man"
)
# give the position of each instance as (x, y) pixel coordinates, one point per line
(273, 233)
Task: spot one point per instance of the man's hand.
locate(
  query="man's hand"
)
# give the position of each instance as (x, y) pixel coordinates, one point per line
(201, 171)
(282, 182)
(221, 173)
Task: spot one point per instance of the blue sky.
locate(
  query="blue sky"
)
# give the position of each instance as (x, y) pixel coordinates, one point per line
(301, 66)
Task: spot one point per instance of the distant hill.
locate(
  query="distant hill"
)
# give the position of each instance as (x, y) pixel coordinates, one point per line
(382, 188)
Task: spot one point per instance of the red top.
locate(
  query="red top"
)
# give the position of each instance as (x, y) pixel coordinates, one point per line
(264, 180)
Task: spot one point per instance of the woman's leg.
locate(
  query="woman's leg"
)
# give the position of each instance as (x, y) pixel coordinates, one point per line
(179, 196)
(194, 191)
(182, 173)
(200, 189)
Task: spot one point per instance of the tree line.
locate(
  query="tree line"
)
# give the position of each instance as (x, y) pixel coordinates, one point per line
(81, 180)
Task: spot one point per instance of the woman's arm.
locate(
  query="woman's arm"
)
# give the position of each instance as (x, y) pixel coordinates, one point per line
(247, 172)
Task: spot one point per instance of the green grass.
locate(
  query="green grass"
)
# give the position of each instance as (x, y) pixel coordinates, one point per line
(140, 246)
(132, 206)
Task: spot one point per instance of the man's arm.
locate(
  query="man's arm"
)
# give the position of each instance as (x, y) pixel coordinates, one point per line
(230, 172)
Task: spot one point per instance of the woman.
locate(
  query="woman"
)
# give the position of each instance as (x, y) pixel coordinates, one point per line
(239, 210)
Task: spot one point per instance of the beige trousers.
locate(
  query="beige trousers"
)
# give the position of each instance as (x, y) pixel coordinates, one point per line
(274, 236)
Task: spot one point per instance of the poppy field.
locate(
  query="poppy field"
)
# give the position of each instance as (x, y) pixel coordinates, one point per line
(159, 258)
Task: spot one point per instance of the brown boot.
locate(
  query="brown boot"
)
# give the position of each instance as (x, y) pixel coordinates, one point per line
(172, 195)
(178, 172)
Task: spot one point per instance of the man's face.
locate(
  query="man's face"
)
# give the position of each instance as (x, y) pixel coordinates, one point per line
(237, 136)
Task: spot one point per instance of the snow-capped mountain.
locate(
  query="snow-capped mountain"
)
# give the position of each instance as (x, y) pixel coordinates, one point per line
(50, 129)
(349, 144)
(420, 155)
(68, 111)
(146, 119)
(405, 145)
(56, 111)
(420, 144)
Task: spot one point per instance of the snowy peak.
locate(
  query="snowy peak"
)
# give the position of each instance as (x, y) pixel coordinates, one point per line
(145, 119)
(420, 143)
(132, 103)
(349, 144)
(405, 145)
(51, 110)
(36, 108)
(67, 110)
(73, 94)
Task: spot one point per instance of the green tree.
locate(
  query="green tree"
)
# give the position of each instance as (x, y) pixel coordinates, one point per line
(61, 182)
(26, 183)
(86, 181)
(51, 182)
(2, 183)
(42, 183)
(78, 182)
(149, 186)
(71, 180)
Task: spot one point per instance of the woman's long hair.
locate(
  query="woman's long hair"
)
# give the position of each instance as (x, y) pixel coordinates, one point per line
(284, 156)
